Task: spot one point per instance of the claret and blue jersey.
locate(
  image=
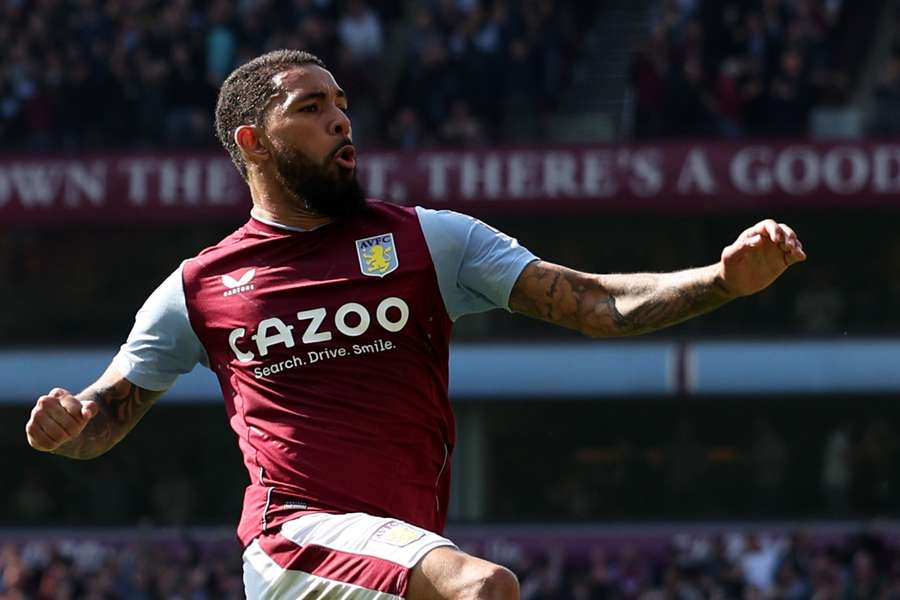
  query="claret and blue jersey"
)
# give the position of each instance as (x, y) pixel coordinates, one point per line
(331, 349)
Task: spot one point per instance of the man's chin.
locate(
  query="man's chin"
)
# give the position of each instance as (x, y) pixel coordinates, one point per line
(344, 173)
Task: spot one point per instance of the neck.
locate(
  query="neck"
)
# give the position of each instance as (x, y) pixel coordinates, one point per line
(276, 206)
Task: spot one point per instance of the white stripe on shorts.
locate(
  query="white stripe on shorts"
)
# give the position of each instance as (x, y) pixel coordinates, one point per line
(264, 579)
(361, 533)
(376, 541)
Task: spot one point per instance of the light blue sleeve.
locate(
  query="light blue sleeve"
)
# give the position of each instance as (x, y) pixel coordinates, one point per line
(477, 266)
(162, 344)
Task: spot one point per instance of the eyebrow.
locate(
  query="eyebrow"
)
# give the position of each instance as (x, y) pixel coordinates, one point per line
(316, 95)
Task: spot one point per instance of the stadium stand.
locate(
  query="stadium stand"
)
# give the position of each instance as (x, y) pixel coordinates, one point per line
(113, 78)
(145, 78)
(794, 565)
(739, 69)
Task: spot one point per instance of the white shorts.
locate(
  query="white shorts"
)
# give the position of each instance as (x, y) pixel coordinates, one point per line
(336, 557)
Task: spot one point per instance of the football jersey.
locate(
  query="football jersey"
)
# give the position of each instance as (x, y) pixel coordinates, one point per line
(331, 348)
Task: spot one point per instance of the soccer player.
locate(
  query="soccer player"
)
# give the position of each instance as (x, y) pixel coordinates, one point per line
(326, 318)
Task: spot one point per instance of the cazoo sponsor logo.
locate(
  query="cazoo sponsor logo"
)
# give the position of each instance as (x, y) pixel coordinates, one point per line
(391, 315)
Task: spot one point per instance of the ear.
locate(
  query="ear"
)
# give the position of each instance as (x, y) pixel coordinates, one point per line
(248, 140)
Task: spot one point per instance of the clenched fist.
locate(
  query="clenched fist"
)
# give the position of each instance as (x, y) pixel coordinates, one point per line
(759, 256)
(58, 418)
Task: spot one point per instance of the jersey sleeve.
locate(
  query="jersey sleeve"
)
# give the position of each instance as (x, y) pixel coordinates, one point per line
(162, 344)
(476, 265)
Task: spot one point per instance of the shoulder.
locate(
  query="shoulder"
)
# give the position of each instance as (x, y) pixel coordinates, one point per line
(382, 209)
(226, 244)
(222, 251)
(450, 224)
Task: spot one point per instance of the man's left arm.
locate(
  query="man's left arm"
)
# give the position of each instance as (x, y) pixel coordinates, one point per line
(632, 304)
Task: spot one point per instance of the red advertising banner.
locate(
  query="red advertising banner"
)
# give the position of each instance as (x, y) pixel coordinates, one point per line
(707, 177)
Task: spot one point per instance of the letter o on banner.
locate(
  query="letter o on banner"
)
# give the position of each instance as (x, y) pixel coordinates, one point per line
(786, 170)
(751, 170)
(835, 177)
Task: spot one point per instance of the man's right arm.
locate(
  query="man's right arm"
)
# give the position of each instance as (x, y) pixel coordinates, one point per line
(86, 425)
(161, 346)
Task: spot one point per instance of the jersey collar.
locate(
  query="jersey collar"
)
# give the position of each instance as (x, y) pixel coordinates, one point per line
(254, 215)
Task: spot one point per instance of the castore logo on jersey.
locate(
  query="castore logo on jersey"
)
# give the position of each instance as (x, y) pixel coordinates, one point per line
(241, 284)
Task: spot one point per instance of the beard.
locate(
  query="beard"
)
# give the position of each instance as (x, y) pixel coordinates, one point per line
(331, 192)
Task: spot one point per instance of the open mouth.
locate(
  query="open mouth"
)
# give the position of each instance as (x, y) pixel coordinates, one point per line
(346, 157)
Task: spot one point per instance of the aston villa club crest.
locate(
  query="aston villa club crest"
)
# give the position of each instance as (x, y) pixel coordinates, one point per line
(397, 533)
(377, 255)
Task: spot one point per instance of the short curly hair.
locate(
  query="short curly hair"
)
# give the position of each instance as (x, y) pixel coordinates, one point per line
(245, 92)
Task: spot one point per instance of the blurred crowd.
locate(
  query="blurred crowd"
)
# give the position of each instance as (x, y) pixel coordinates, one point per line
(747, 566)
(884, 116)
(91, 569)
(105, 74)
(740, 67)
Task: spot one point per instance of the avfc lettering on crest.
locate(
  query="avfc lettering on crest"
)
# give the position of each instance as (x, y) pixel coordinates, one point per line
(377, 255)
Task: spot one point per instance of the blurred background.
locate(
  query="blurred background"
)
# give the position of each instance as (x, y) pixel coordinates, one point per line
(752, 453)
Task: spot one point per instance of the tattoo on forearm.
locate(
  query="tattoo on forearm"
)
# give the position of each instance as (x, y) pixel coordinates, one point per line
(614, 305)
(673, 304)
(122, 405)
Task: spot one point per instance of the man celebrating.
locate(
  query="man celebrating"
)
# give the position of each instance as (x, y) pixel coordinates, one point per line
(327, 320)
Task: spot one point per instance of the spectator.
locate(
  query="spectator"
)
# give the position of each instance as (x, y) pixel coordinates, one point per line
(730, 100)
(646, 76)
(688, 108)
(759, 563)
(865, 582)
(190, 96)
(837, 469)
(405, 131)
(462, 128)
(221, 43)
(789, 584)
(789, 101)
(360, 31)
(886, 116)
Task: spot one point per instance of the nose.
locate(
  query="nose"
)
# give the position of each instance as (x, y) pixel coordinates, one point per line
(340, 125)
